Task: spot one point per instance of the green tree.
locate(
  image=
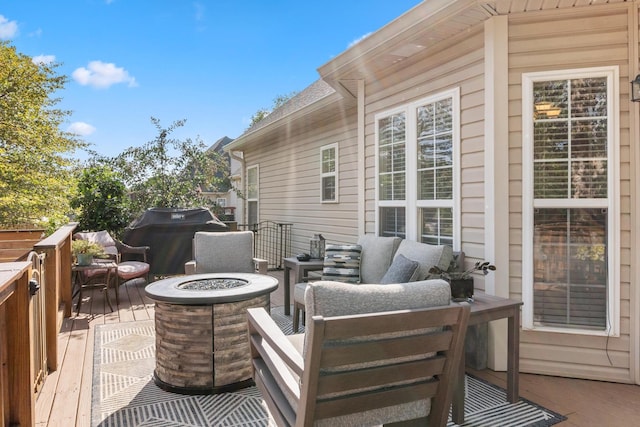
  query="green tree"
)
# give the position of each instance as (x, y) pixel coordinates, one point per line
(36, 171)
(102, 200)
(169, 173)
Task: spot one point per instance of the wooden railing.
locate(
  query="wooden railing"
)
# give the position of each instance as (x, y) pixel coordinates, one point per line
(57, 281)
(17, 399)
(35, 295)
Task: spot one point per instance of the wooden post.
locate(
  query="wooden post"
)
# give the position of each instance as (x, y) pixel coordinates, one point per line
(17, 341)
(57, 281)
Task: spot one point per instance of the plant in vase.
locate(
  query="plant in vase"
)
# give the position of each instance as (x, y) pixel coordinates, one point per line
(84, 251)
(461, 282)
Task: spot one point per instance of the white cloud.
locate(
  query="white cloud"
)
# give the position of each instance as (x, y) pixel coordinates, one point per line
(43, 59)
(200, 10)
(81, 128)
(102, 75)
(8, 28)
(356, 41)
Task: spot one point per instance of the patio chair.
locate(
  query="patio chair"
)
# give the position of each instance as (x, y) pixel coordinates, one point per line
(224, 252)
(369, 367)
(127, 270)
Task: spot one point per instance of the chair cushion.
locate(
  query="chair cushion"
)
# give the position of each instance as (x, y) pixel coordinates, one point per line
(402, 270)
(377, 255)
(330, 299)
(103, 238)
(335, 299)
(224, 252)
(426, 255)
(342, 263)
(131, 269)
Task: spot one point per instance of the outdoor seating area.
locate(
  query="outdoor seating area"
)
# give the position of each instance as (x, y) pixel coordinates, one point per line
(101, 339)
(66, 396)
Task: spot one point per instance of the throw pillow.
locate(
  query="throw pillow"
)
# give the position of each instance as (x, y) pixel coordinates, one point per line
(342, 263)
(402, 270)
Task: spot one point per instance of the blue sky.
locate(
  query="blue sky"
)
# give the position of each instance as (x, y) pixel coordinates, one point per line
(211, 62)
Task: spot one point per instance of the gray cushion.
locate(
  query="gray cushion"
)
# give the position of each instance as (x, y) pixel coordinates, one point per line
(224, 252)
(334, 299)
(402, 270)
(337, 299)
(426, 255)
(377, 255)
(342, 263)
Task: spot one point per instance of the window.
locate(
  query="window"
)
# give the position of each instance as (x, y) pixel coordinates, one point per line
(329, 173)
(221, 201)
(252, 194)
(570, 201)
(417, 170)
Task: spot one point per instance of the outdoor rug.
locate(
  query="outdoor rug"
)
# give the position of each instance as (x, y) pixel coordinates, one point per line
(124, 394)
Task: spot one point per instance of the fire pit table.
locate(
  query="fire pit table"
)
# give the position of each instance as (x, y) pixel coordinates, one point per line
(201, 330)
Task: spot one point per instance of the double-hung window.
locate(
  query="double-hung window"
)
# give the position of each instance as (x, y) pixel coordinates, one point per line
(417, 170)
(252, 194)
(570, 193)
(329, 173)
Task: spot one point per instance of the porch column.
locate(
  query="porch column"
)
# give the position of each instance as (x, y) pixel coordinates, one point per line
(496, 177)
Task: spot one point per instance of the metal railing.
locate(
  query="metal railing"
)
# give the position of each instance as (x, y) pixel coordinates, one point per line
(272, 241)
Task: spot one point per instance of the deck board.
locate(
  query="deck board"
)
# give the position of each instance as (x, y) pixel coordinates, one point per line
(65, 398)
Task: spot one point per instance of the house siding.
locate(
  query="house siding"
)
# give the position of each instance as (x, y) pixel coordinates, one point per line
(551, 41)
(460, 64)
(290, 185)
(559, 37)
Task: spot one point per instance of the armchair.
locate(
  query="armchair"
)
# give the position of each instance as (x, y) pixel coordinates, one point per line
(224, 252)
(127, 270)
(372, 354)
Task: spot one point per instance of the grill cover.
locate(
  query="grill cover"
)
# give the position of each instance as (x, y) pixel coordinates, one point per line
(169, 233)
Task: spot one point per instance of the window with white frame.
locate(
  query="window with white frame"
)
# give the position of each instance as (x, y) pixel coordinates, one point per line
(221, 201)
(417, 170)
(570, 193)
(329, 173)
(252, 194)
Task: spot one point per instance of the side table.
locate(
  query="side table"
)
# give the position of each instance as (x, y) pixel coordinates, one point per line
(82, 278)
(300, 269)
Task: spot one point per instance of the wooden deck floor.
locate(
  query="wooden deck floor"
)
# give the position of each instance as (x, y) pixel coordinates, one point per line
(65, 399)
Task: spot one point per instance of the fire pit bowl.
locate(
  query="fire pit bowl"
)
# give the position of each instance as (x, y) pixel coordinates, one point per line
(201, 330)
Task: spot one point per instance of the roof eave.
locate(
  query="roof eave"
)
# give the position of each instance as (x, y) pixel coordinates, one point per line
(352, 62)
(258, 134)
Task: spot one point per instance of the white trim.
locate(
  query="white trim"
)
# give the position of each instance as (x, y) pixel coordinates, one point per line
(362, 151)
(634, 126)
(411, 204)
(612, 202)
(335, 174)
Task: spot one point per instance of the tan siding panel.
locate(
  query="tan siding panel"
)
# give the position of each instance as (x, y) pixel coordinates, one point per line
(556, 40)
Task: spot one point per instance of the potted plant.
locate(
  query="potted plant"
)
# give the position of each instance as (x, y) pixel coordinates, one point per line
(461, 282)
(84, 251)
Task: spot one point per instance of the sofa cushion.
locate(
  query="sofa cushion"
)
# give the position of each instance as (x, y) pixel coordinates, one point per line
(401, 270)
(426, 255)
(342, 263)
(377, 255)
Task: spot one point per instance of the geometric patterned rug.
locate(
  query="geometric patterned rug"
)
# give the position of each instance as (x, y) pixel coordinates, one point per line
(125, 395)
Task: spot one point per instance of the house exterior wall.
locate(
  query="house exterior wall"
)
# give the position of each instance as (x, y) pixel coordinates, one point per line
(289, 181)
(547, 40)
(551, 41)
(458, 65)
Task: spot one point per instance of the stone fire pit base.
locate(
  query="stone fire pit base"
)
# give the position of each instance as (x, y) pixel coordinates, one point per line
(204, 348)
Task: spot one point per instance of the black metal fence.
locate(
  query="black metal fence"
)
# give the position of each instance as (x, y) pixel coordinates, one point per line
(272, 241)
